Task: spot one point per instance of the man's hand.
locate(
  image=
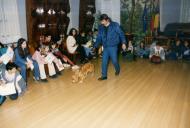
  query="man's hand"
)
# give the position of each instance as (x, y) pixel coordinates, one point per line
(124, 47)
(93, 50)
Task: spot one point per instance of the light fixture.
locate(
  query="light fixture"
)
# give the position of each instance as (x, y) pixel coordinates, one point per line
(51, 12)
(41, 25)
(88, 13)
(40, 10)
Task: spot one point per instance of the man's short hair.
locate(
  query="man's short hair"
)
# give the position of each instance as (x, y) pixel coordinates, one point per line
(104, 17)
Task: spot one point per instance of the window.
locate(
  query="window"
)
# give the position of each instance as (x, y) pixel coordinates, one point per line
(9, 21)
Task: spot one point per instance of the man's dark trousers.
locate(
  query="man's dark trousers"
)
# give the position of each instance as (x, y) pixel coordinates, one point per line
(110, 53)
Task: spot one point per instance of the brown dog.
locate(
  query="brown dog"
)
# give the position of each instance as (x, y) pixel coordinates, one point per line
(82, 73)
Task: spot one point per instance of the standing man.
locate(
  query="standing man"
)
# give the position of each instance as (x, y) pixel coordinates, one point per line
(110, 35)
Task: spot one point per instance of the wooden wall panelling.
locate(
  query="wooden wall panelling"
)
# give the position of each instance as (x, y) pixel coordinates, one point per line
(46, 16)
(87, 11)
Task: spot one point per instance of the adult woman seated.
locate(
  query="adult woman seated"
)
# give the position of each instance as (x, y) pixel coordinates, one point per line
(73, 47)
(24, 60)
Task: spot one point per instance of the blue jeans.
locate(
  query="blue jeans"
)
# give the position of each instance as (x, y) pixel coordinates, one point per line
(87, 51)
(110, 53)
(12, 97)
(24, 69)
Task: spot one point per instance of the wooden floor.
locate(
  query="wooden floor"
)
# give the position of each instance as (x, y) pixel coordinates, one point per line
(143, 96)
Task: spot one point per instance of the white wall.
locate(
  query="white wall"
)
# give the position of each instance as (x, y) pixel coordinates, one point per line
(110, 7)
(185, 11)
(22, 18)
(169, 12)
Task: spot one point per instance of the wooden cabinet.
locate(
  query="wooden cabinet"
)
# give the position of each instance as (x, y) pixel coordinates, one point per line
(87, 11)
(46, 16)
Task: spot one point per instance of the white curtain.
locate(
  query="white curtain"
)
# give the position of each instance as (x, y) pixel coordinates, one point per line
(185, 11)
(9, 21)
(74, 14)
(2, 18)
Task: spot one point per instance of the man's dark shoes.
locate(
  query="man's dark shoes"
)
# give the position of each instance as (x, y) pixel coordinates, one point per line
(117, 73)
(102, 78)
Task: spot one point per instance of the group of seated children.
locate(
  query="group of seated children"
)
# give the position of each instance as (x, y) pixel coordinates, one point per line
(80, 44)
(12, 83)
(16, 61)
(22, 59)
(156, 53)
(178, 50)
(43, 57)
(129, 53)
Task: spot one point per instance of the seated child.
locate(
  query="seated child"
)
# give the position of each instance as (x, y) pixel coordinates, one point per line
(50, 58)
(175, 50)
(142, 51)
(59, 54)
(86, 43)
(178, 49)
(90, 36)
(11, 82)
(130, 48)
(186, 51)
(61, 44)
(157, 54)
(40, 58)
(129, 53)
(170, 52)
